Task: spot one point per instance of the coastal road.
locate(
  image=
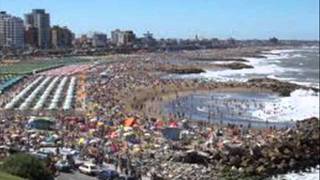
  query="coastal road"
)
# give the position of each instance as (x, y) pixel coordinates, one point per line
(74, 176)
(79, 176)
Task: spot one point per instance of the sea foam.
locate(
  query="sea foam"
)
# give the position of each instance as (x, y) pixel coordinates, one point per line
(313, 175)
(301, 104)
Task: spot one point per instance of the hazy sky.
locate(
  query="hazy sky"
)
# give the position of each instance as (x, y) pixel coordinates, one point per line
(243, 19)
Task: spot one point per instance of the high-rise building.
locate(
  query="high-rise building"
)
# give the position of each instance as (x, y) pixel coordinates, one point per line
(127, 38)
(31, 37)
(99, 40)
(122, 38)
(11, 31)
(85, 41)
(148, 40)
(115, 36)
(61, 37)
(40, 20)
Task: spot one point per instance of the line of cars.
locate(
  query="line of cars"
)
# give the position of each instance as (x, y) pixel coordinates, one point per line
(68, 165)
(71, 163)
(91, 169)
(87, 168)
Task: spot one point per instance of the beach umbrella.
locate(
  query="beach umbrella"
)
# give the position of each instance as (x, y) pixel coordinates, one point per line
(173, 124)
(128, 134)
(81, 141)
(92, 141)
(159, 124)
(114, 134)
(109, 123)
(93, 120)
(127, 128)
(136, 150)
(129, 122)
(33, 135)
(14, 135)
(100, 124)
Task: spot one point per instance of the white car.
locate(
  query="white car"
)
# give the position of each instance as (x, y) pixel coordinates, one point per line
(88, 168)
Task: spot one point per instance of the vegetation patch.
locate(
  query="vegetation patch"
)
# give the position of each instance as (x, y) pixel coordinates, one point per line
(26, 166)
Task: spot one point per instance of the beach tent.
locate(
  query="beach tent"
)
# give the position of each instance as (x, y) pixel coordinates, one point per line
(6, 85)
(41, 123)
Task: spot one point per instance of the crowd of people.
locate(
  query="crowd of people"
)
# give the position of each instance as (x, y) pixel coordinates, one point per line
(111, 125)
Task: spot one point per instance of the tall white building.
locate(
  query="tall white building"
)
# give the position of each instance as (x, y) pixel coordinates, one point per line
(115, 36)
(122, 38)
(11, 31)
(40, 20)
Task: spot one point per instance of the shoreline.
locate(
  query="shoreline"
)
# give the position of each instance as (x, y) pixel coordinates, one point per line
(151, 107)
(173, 88)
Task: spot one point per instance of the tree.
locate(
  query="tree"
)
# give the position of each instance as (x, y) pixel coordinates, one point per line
(26, 166)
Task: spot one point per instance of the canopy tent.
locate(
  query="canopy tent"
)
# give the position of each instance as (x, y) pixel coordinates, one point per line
(6, 85)
(41, 123)
(17, 98)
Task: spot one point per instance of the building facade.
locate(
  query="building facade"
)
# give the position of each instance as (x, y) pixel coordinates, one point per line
(115, 36)
(61, 37)
(148, 40)
(122, 38)
(40, 20)
(31, 37)
(83, 42)
(11, 31)
(127, 38)
(99, 40)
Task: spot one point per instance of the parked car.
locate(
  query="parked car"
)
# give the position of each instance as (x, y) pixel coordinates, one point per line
(89, 169)
(41, 155)
(108, 175)
(63, 166)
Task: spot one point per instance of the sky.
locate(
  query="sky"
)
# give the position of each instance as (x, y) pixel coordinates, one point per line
(241, 19)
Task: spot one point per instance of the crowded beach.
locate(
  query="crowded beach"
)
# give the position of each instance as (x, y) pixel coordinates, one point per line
(106, 111)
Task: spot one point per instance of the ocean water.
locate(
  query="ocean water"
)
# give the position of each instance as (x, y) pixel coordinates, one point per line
(255, 108)
(241, 108)
(300, 65)
(295, 65)
(313, 174)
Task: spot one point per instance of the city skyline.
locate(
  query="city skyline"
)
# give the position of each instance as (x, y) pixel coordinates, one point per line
(242, 20)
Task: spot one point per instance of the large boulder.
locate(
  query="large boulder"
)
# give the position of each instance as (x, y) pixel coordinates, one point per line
(193, 157)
